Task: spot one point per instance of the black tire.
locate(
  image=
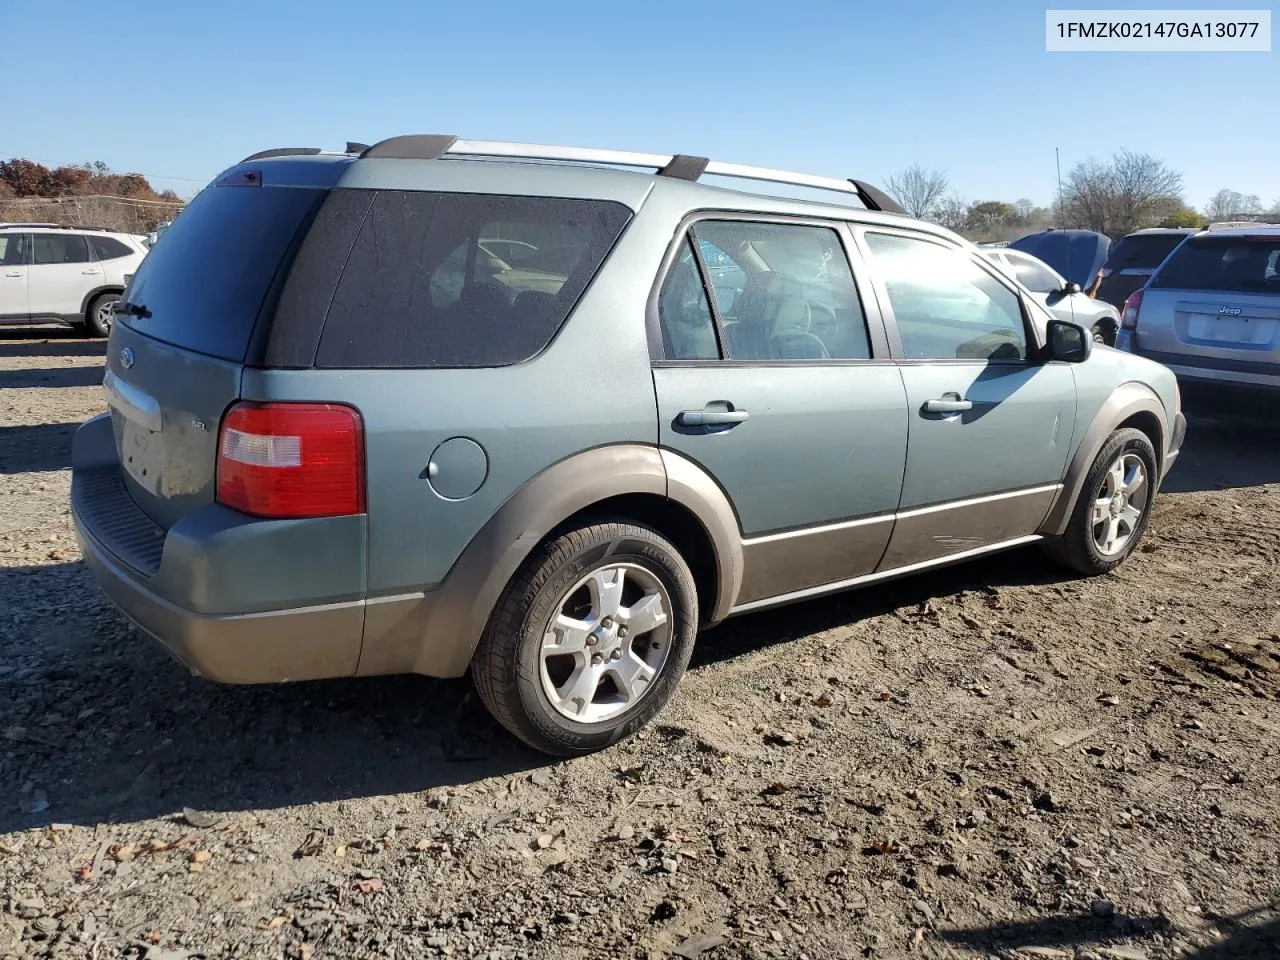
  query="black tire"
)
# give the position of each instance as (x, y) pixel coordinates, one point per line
(507, 668)
(95, 322)
(1077, 547)
(1104, 331)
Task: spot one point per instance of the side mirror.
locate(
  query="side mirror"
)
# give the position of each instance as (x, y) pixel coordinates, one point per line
(1071, 289)
(1067, 342)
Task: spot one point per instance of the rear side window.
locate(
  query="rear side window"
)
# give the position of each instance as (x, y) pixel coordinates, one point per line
(1225, 265)
(54, 248)
(206, 283)
(463, 280)
(109, 248)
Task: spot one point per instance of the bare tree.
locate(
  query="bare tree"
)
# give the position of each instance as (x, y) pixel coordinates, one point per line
(919, 191)
(1132, 190)
(1086, 198)
(1228, 204)
(950, 212)
(1146, 190)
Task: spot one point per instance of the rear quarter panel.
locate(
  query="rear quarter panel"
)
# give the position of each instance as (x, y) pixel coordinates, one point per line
(591, 387)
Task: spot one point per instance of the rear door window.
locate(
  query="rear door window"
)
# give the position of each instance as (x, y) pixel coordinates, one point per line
(1224, 265)
(53, 248)
(464, 280)
(204, 287)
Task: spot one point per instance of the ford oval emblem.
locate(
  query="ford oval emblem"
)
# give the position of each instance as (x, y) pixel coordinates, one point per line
(126, 358)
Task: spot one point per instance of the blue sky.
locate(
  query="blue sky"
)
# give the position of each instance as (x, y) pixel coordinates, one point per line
(179, 91)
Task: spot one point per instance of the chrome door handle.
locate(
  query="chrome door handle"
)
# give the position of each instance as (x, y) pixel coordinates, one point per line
(711, 417)
(948, 405)
(90, 273)
(18, 274)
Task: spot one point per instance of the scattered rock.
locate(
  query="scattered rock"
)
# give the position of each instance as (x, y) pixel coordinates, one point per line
(199, 819)
(698, 944)
(1047, 802)
(1103, 908)
(312, 845)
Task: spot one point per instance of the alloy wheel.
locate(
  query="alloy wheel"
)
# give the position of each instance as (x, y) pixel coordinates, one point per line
(1119, 504)
(606, 643)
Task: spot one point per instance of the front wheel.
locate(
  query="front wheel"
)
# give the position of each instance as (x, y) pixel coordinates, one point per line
(1104, 332)
(1114, 506)
(589, 640)
(97, 319)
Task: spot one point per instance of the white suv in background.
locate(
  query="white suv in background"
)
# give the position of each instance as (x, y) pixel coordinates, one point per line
(65, 274)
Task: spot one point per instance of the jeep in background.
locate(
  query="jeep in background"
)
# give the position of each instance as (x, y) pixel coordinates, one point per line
(1211, 311)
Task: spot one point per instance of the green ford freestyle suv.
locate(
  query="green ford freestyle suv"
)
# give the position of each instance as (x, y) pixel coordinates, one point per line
(439, 405)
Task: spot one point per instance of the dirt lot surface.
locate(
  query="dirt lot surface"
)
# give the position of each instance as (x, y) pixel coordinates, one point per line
(995, 760)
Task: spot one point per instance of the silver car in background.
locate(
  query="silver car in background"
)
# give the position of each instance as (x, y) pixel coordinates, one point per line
(1211, 312)
(1062, 298)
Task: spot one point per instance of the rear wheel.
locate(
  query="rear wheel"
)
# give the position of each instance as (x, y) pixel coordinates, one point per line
(590, 638)
(97, 319)
(1114, 506)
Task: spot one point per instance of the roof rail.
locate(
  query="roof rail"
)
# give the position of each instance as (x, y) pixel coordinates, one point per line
(1238, 224)
(681, 166)
(282, 152)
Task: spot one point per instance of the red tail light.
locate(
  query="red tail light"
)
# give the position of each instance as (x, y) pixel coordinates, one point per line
(291, 460)
(1133, 304)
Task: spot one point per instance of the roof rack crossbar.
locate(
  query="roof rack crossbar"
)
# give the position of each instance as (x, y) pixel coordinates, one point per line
(679, 166)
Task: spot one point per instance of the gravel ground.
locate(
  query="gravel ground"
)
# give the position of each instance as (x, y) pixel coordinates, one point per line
(994, 760)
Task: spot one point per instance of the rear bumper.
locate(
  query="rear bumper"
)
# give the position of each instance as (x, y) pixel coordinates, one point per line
(1250, 374)
(235, 599)
(1269, 383)
(306, 643)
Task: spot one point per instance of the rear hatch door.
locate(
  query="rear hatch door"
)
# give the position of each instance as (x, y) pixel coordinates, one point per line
(1217, 298)
(192, 321)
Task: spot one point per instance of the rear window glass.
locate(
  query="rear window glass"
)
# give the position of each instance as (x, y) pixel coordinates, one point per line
(205, 282)
(1224, 264)
(1143, 251)
(464, 280)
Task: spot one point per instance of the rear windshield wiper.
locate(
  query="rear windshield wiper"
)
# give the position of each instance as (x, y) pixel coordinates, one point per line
(126, 309)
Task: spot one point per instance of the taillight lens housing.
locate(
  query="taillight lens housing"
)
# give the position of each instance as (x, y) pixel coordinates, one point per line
(1132, 305)
(286, 460)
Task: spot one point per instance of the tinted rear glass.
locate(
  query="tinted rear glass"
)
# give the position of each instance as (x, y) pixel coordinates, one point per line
(206, 281)
(109, 248)
(1224, 264)
(463, 280)
(1143, 251)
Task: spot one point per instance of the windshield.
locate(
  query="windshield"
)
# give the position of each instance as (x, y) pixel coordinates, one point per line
(1224, 264)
